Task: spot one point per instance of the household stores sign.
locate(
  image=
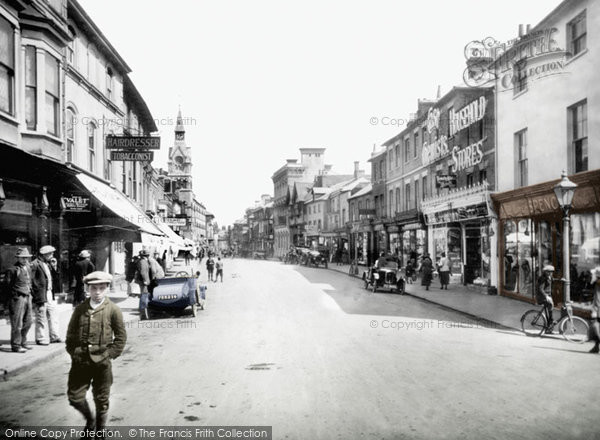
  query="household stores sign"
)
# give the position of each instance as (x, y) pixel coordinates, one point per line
(132, 148)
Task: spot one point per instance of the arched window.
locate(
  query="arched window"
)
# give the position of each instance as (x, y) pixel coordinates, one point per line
(92, 146)
(71, 122)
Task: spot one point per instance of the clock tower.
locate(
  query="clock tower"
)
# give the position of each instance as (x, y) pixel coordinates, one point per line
(180, 169)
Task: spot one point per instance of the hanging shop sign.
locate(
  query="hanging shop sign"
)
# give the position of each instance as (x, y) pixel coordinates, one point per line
(76, 203)
(445, 181)
(132, 143)
(457, 214)
(175, 221)
(366, 212)
(132, 156)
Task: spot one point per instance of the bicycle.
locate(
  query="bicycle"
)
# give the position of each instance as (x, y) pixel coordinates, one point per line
(572, 328)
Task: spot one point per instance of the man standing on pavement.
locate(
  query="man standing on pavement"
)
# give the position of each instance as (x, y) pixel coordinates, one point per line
(43, 297)
(95, 336)
(543, 294)
(219, 266)
(82, 268)
(156, 272)
(210, 267)
(142, 278)
(17, 286)
(595, 321)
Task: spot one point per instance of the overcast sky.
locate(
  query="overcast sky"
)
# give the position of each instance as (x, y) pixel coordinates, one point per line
(260, 79)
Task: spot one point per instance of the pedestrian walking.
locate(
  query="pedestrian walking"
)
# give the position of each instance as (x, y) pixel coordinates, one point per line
(156, 272)
(96, 335)
(219, 266)
(210, 267)
(427, 269)
(543, 295)
(44, 299)
(142, 278)
(187, 255)
(444, 270)
(82, 268)
(17, 291)
(130, 272)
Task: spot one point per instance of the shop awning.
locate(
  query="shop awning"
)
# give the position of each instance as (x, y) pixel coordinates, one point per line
(174, 239)
(119, 204)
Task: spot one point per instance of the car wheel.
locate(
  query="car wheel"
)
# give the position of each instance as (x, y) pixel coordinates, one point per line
(400, 288)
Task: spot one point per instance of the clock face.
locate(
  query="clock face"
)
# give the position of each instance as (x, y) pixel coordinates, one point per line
(179, 136)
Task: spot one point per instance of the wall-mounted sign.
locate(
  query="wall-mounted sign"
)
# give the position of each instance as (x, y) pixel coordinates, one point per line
(175, 221)
(19, 207)
(366, 212)
(468, 156)
(445, 181)
(435, 150)
(76, 203)
(469, 114)
(433, 119)
(132, 143)
(457, 214)
(132, 156)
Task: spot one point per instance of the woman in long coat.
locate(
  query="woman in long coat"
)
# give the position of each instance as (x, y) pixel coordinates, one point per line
(427, 269)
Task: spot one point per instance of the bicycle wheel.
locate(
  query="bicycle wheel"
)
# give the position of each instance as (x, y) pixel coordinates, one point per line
(574, 329)
(533, 323)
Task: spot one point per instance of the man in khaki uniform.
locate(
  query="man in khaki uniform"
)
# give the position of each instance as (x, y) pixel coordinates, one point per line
(95, 336)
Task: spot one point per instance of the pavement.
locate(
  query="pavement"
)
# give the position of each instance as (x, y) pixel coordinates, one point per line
(500, 310)
(14, 363)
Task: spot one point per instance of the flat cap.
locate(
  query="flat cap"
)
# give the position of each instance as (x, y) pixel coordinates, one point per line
(548, 268)
(47, 249)
(98, 277)
(84, 254)
(23, 253)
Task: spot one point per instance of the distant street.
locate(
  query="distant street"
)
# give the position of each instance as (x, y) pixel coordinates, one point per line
(312, 353)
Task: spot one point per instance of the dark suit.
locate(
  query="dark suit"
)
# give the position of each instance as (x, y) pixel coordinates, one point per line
(46, 314)
(81, 269)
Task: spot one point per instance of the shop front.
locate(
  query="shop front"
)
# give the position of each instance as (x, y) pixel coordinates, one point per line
(460, 226)
(360, 234)
(531, 232)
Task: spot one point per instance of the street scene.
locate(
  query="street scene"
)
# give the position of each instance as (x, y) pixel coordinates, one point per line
(299, 220)
(315, 355)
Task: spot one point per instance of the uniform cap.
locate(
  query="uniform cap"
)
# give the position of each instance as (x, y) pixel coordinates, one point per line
(23, 253)
(144, 253)
(84, 254)
(548, 268)
(98, 277)
(46, 249)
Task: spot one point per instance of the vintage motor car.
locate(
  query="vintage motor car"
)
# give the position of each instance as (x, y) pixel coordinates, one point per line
(317, 258)
(387, 276)
(175, 294)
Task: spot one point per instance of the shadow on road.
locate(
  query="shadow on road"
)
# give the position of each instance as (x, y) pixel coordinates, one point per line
(352, 298)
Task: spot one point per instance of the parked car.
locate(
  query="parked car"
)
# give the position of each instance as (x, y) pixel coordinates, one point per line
(260, 255)
(175, 294)
(386, 275)
(317, 258)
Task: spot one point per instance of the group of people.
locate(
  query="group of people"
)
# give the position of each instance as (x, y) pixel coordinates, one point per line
(426, 268)
(96, 331)
(211, 265)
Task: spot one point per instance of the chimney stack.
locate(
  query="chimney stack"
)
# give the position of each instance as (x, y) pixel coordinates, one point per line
(521, 30)
(528, 29)
(356, 168)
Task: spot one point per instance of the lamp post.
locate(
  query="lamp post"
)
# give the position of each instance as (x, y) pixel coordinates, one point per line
(565, 190)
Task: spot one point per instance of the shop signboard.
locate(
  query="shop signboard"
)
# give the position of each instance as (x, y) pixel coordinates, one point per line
(457, 214)
(175, 221)
(132, 156)
(445, 181)
(76, 203)
(366, 211)
(132, 143)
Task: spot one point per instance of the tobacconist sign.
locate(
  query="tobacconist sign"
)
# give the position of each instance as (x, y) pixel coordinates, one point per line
(76, 203)
(132, 148)
(143, 156)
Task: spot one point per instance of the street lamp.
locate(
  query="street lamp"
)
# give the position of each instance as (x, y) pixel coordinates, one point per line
(565, 190)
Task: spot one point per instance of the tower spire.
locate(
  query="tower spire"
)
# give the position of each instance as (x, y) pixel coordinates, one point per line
(179, 127)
